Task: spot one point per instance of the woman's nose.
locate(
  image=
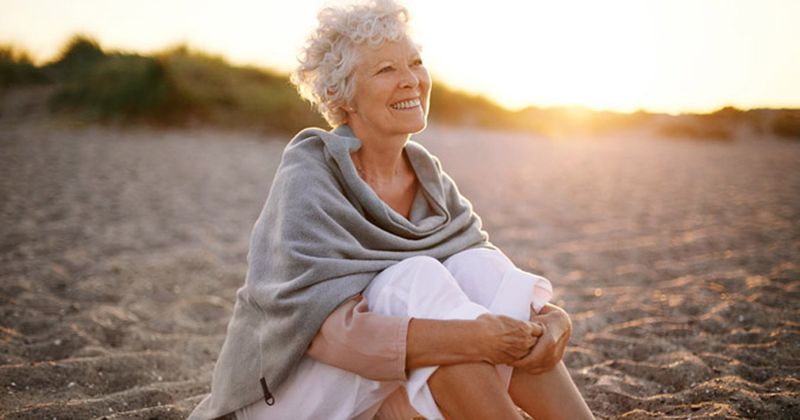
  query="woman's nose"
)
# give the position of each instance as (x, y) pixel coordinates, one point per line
(410, 79)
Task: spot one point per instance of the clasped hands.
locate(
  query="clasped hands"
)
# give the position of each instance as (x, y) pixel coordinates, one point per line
(535, 346)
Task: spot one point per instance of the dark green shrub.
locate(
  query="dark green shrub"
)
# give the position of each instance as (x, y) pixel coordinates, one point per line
(17, 68)
(79, 56)
(214, 91)
(120, 88)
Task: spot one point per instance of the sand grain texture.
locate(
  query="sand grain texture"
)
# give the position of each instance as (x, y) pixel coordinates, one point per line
(121, 251)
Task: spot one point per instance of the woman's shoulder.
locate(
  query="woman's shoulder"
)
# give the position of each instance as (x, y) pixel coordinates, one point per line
(305, 145)
(316, 143)
(305, 155)
(304, 163)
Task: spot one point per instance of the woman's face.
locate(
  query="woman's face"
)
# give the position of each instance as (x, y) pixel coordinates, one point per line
(392, 87)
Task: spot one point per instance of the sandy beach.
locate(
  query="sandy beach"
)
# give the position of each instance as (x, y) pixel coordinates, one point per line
(679, 262)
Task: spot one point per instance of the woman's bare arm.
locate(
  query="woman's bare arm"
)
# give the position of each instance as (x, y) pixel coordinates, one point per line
(491, 338)
(383, 348)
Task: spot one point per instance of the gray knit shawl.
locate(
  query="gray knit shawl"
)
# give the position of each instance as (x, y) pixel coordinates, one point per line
(322, 236)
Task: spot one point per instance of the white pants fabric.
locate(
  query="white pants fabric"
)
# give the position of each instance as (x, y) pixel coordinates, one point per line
(467, 285)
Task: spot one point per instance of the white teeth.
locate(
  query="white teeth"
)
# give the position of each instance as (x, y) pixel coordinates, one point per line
(406, 104)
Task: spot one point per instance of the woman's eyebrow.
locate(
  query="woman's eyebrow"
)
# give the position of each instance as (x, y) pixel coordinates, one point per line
(381, 64)
(389, 61)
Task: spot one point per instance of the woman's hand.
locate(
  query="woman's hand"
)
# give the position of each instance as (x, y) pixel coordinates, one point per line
(550, 346)
(503, 340)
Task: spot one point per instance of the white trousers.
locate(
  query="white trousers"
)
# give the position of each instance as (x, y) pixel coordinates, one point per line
(467, 285)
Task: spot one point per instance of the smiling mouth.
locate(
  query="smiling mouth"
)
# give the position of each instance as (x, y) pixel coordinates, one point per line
(409, 104)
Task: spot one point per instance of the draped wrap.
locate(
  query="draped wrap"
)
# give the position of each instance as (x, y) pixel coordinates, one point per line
(322, 236)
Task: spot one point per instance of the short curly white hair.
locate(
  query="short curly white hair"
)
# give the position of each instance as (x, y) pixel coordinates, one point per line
(327, 61)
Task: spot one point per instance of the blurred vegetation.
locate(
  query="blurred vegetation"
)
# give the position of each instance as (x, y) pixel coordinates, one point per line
(111, 87)
(16, 67)
(79, 55)
(212, 90)
(182, 86)
(702, 127)
(786, 124)
(176, 87)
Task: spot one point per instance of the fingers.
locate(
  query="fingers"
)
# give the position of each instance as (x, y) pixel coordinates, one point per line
(519, 345)
(548, 307)
(544, 316)
(536, 328)
(533, 362)
(535, 355)
(519, 339)
(530, 329)
(525, 349)
(557, 323)
(544, 356)
(524, 330)
(511, 356)
(535, 346)
(556, 316)
(506, 339)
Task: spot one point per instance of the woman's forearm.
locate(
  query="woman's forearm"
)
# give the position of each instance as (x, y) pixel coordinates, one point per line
(433, 342)
(490, 338)
(384, 348)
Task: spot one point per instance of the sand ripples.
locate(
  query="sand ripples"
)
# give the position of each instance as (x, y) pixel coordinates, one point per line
(121, 252)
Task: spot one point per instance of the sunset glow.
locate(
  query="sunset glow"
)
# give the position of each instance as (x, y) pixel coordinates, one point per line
(658, 55)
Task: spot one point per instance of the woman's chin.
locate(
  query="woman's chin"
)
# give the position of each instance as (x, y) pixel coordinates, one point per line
(422, 126)
(415, 127)
(416, 124)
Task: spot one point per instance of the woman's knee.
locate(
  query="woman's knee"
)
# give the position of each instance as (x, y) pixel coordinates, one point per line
(429, 275)
(479, 272)
(423, 262)
(415, 281)
(479, 259)
(420, 268)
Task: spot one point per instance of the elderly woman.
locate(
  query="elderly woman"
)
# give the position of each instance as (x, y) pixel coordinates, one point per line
(372, 290)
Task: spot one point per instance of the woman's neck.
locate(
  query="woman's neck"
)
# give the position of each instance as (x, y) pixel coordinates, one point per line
(381, 160)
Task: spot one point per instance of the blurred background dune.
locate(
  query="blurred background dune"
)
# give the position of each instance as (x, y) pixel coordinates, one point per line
(181, 86)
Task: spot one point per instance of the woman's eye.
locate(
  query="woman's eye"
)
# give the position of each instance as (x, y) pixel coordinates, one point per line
(418, 62)
(385, 69)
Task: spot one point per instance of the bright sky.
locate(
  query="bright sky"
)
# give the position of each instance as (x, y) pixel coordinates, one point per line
(658, 55)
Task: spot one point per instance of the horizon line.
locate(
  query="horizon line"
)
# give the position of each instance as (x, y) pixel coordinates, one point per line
(39, 61)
